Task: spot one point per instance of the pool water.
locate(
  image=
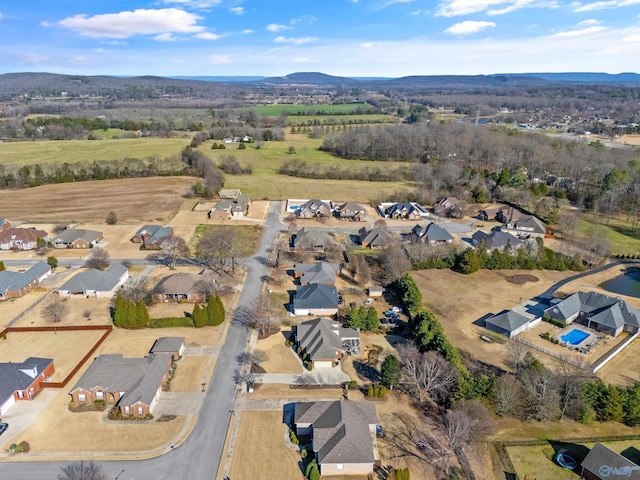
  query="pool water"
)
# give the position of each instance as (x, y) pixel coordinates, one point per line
(574, 337)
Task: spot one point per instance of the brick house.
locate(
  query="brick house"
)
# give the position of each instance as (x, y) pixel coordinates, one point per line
(22, 381)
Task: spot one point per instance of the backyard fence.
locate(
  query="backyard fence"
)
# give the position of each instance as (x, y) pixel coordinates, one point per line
(548, 352)
(603, 360)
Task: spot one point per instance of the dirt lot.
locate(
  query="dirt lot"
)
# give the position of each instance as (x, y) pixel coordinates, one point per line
(188, 375)
(20, 345)
(155, 199)
(459, 300)
(261, 438)
(280, 357)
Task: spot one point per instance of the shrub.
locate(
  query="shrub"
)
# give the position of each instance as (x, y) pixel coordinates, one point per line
(293, 437)
(351, 384)
(170, 322)
(311, 464)
(112, 218)
(554, 321)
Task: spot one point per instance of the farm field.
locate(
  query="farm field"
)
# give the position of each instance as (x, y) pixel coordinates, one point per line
(338, 108)
(353, 119)
(133, 199)
(71, 151)
(617, 230)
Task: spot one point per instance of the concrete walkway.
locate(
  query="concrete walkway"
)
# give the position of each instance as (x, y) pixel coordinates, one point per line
(334, 376)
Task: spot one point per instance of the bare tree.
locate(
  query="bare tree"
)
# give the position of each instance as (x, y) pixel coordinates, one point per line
(173, 249)
(82, 471)
(458, 429)
(222, 248)
(429, 373)
(570, 377)
(257, 316)
(256, 357)
(87, 314)
(516, 356)
(135, 288)
(507, 395)
(540, 394)
(56, 310)
(394, 263)
(112, 218)
(380, 223)
(99, 259)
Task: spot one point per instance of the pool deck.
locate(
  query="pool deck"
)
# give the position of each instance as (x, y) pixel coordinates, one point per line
(588, 342)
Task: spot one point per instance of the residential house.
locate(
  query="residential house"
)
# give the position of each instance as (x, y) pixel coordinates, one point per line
(152, 236)
(22, 380)
(343, 435)
(173, 346)
(314, 208)
(496, 240)
(315, 299)
(306, 240)
(431, 234)
(526, 226)
(603, 463)
(77, 238)
(17, 284)
(321, 272)
(221, 210)
(244, 198)
(595, 310)
(404, 210)
(95, 283)
(375, 238)
(351, 211)
(229, 193)
(4, 224)
(449, 207)
(14, 238)
(133, 385)
(508, 323)
(239, 209)
(182, 287)
(325, 342)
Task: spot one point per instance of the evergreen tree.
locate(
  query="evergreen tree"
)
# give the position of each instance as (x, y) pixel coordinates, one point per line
(142, 315)
(390, 371)
(357, 318)
(632, 405)
(119, 318)
(214, 311)
(371, 320)
(199, 316)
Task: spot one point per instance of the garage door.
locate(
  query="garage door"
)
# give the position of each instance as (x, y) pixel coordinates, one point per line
(7, 405)
(323, 364)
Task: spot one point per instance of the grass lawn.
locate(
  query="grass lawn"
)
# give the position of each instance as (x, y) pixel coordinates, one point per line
(303, 120)
(617, 230)
(250, 233)
(71, 151)
(276, 110)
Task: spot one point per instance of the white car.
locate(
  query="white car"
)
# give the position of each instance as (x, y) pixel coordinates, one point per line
(395, 309)
(368, 301)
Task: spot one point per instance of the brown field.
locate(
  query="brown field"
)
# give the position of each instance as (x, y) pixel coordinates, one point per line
(261, 438)
(188, 374)
(64, 347)
(154, 199)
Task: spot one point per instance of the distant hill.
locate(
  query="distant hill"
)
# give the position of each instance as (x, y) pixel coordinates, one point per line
(224, 79)
(457, 81)
(584, 77)
(307, 78)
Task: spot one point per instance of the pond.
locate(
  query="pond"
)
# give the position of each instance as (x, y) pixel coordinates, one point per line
(626, 284)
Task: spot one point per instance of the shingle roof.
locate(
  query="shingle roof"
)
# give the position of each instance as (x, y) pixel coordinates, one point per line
(167, 345)
(316, 272)
(601, 461)
(18, 376)
(508, 320)
(433, 232)
(602, 309)
(95, 280)
(531, 223)
(23, 234)
(350, 207)
(311, 237)
(139, 378)
(497, 240)
(376, 237)
(341, 430)
(73, 234)
(320, 338)
(405, 208)
(19, 280)
(316, 295)
(157, 233)
(181, 283)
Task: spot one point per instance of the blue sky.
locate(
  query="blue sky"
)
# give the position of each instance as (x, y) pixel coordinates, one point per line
(357, 38)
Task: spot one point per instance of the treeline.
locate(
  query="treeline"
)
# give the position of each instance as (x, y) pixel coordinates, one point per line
(300, 168)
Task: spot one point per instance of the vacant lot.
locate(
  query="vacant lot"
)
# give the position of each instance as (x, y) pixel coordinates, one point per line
(64, 347)
(71, 151)
(154, 199)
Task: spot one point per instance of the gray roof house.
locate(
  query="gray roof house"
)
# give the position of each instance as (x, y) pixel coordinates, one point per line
(375, 238)
(311, 241)
(22, 380)
(132, 384)
(17, 284)
(507, 323)
(171, 345)
(325, 341)
(351, 211)
(343, 435)
(600, 312)
(526, 226)
(314, 208)
(496, 240)
(406, 210)
(315, 299)
(601, 462)
(77, 238)
(183, 287)
(95, 283)
(432, 234)
(316, 273)
(152, 236)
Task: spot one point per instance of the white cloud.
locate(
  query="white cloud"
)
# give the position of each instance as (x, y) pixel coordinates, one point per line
(578, 33)
(247, 30)
(219, 59)
(468, 27)
(276, 27)
(303, 19)
(602, 5)
(589, 22)
(454, 8)
(237, 10)
(295, 40)
(166, 37)
(393, 2)
(129, 23)
(303, 60)
(208, 36)
(194, 3)
(371, 44)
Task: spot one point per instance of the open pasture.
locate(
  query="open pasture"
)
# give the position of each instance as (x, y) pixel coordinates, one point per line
(324, 109)
(348, 119)
(616, 229)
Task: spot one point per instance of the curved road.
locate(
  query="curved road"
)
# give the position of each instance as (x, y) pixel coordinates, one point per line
(199, 456)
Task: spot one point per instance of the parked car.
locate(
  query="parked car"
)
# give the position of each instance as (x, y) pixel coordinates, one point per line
(3, 427)
(388, 313)
(368, 302)
(380, 432)
(396, 309)
(340, 300)
(384, 320)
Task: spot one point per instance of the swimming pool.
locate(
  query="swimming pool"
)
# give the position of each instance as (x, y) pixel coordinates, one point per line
(574, 337)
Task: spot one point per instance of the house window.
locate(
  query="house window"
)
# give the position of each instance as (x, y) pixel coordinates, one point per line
(20, 394)
(82, 397)
(100, 395)
(340, 466)
(140, 411)
(127, 410)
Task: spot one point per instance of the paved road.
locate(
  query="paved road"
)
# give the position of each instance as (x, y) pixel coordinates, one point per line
(199, 457)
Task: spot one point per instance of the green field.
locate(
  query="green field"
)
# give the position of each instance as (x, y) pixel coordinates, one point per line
(341, 119)
(617, 230)
(276, 110)
(71, 151)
